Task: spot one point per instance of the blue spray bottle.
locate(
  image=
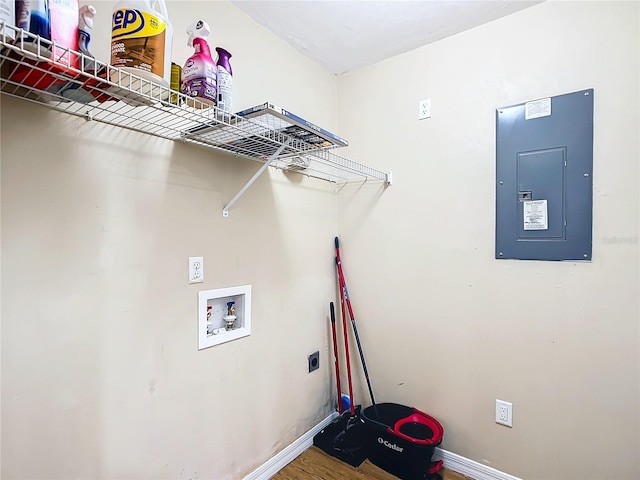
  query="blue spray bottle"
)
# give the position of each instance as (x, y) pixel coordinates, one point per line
(199, 75)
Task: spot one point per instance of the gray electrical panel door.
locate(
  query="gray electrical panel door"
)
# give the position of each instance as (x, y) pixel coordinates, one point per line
(544, 173)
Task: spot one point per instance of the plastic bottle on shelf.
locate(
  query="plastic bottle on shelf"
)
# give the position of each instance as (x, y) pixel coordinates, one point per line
(141, 43)
(22, 14)
(53, 33)
(225, 80)
(55, 22)
(63, 18)
(75, 91)
(199, 74)
(176, 75)
(38, 23)
(85, 25)
(8, 17)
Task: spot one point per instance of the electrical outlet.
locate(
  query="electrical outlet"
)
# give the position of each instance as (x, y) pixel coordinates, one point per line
(196, 269)
(424, 109)
(504, 413)
(314, 361)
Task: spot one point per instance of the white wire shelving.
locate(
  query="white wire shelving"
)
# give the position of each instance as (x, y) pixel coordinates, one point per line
(39, 71)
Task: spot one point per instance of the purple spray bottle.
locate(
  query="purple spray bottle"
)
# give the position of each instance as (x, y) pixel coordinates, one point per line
(225, 80)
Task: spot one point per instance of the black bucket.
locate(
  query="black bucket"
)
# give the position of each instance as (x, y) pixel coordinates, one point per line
(402, 440)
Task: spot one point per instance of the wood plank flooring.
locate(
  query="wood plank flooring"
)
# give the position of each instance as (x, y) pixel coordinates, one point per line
(314, 464)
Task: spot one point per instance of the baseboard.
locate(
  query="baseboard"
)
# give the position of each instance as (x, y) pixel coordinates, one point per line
(452, 461)
(286, 456)
(470, 468)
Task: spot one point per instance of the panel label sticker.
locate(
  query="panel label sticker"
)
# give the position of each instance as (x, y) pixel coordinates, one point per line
(537, 108)
(535, 215)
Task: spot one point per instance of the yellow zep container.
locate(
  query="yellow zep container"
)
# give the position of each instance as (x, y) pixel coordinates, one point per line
(141, 41)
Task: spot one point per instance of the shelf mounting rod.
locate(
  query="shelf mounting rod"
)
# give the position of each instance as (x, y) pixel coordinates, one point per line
(225, 210)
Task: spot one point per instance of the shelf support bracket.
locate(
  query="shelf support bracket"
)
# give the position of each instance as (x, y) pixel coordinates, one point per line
(225, 210)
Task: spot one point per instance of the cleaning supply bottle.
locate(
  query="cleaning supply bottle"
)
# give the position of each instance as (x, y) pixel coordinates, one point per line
(23, 12)
(176, 75)
(85, 25)
(199, 75)
(8, 17)
(75, 91)
(40, 25)
(225, 80)
(141, 43)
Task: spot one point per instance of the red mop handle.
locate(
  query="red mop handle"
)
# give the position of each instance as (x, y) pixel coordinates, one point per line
(335, 355)
(345, 331)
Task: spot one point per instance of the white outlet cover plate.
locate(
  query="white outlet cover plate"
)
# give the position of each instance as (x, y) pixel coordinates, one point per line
(504, 413)
(196, 269)
(424, 109)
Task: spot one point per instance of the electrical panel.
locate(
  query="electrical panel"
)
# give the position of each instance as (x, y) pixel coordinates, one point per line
(544, 178)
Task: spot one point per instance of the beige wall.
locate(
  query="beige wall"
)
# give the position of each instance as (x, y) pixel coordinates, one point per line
(445, 326)
(101, 376)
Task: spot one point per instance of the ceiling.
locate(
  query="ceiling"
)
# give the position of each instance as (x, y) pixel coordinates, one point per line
(343, 35)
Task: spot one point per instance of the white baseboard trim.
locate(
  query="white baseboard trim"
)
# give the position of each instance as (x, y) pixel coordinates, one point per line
(286, 456)
(452, 461)
(470, 468)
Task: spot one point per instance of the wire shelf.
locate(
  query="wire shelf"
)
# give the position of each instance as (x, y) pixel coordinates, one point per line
(39, 71)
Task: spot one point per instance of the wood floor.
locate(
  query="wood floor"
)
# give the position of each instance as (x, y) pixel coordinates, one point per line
(314, 464)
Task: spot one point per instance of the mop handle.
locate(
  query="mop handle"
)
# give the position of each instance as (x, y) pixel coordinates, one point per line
(346, 345)
(358, 343)
(343, 283)
(335, 354)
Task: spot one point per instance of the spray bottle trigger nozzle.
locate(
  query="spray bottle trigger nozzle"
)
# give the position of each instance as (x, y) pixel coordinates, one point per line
(198, 29)
(86, 14)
